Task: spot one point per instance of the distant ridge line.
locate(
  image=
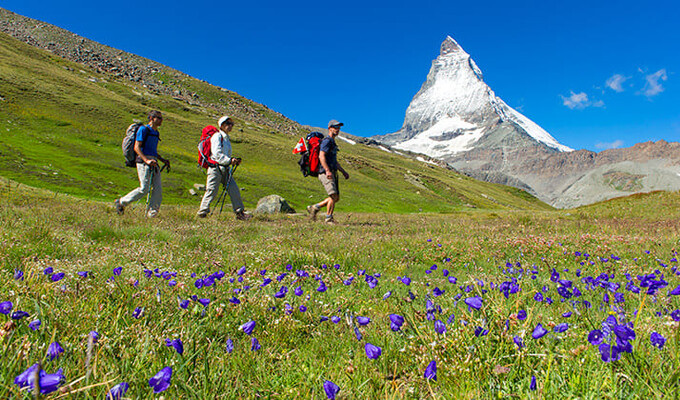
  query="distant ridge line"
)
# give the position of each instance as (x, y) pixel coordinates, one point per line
(137, 69)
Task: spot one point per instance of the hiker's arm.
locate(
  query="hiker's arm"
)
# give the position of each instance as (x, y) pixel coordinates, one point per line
(324, 164)
(164, 161)
(148, 161)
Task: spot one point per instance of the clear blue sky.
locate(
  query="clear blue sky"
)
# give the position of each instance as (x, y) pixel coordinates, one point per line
(595, 74)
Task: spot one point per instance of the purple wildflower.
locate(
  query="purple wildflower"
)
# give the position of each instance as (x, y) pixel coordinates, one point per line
(48, 383)
(595, 337)
(161, 381)
(18, 275)
(479, 331)
(138, 312)
(54, 350)
(358, 334)
(518, 341)
(281, 293)
(539, 332)
(372, 351)
(19, 315)
(439, 327)
(230, 346)
(117, 392)
(363, 321)
(474, 302)
(176, 343)
(532, 385)
(396, 321)
(6, 307)
(204, 302)
(117, 271)
(431, 371)
(248, 327)
(657, 340)
(331, 389)
(34, 325)
(521, 315)
(254, 344)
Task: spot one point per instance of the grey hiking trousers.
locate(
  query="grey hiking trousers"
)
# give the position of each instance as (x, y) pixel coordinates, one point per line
(217, 176)
(148, 180)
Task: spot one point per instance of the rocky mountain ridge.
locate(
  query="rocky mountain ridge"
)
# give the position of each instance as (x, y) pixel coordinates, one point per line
(457, 118)
(150, 75)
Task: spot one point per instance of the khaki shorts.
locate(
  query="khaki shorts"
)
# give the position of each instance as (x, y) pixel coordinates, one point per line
(331, 185)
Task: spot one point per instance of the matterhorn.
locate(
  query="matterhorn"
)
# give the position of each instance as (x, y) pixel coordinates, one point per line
(456, 117)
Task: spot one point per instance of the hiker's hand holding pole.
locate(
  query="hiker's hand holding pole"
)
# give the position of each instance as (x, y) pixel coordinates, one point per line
(235, 162)
(151, 162)
(165, 161)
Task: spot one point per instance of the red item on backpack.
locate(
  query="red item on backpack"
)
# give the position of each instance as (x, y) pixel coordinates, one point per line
(309, 149)
(314, 150)
(204, 159)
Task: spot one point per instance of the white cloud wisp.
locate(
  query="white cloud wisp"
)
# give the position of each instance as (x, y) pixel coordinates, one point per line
(580, 101)
(615, 82)
(653, 85)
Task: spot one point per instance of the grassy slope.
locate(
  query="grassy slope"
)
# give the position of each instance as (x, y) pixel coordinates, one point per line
(62, 131)
(39, 230)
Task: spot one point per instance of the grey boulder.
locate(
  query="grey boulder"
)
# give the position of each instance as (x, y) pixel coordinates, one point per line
(273, 204)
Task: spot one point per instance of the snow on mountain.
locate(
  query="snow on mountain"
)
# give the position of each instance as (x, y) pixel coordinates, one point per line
(456, 118)
(454, 109)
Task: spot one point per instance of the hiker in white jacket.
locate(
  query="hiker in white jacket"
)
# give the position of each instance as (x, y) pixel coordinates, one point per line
(220, 152)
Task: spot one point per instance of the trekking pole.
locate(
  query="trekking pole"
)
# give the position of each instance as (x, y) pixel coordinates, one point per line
(148, 195)
(226, 186)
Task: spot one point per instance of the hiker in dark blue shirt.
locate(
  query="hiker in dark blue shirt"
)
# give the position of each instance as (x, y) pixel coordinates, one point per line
(146, 147)
(328, 173)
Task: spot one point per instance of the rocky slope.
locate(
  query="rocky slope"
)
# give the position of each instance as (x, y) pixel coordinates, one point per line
(152, 76)
(457, 118)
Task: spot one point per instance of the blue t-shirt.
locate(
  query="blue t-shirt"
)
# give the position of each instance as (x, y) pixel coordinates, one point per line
(149, 138)
(329, 147)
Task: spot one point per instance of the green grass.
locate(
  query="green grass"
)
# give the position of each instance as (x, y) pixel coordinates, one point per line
(39, 229)
(61, 131)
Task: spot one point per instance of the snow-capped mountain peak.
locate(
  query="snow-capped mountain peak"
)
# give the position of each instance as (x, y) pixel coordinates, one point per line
(456, 111)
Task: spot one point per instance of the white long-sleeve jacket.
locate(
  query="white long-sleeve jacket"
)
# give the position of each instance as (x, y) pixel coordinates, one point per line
(220, 148)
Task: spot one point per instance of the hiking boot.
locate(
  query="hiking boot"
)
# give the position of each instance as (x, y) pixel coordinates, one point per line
(202, 214)
(330, 220)
(312, 211)
(120, 209)
(241, 216)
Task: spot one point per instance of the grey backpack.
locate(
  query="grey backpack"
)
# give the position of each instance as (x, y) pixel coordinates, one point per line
(129, 144)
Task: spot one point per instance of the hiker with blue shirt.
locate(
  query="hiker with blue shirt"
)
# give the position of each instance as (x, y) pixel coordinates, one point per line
(328, 173)
(146, 148)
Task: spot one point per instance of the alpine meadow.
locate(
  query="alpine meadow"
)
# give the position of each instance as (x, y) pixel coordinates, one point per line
(433, 285)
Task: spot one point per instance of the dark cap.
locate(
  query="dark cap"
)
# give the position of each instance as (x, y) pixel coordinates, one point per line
(335, 122)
